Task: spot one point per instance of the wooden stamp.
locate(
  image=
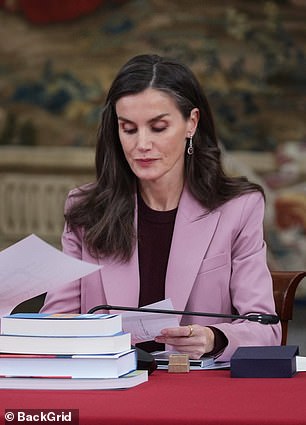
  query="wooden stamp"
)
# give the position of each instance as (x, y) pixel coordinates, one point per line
(178, 363)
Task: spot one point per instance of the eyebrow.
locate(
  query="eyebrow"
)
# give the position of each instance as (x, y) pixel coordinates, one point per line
(158, 117)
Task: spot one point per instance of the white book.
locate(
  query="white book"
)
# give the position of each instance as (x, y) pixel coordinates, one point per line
(75, 366)
(127, 381)
(29, 344)
(44, 324)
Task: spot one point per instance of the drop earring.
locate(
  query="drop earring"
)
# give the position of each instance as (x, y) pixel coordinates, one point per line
(190, 147)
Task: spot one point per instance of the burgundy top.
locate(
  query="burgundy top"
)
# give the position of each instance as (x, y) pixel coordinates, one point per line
(155, 229)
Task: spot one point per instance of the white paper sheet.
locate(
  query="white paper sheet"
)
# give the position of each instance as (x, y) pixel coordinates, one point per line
(31, 267)
(146, 326)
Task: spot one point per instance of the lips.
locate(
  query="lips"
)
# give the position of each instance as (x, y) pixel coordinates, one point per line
(145, 161)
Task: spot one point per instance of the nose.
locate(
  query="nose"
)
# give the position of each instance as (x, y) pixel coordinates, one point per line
(144, 142)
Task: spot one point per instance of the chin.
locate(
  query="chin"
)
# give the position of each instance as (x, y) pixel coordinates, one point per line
(146, 176)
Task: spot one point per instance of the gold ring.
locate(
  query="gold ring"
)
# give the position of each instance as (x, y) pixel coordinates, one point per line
(190, 331)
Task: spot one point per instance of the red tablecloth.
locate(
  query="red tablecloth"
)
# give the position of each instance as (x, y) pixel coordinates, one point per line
(205, 397)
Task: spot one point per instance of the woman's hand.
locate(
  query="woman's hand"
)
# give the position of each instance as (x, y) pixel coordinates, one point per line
(194, 340)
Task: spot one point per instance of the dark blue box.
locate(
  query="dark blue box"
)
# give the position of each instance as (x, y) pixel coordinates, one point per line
(264, 362)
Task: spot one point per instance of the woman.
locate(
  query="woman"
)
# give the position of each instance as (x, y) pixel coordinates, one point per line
(163, 218)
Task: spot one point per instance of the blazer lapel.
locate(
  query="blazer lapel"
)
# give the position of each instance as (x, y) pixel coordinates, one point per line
(121, 280)
(193, 231)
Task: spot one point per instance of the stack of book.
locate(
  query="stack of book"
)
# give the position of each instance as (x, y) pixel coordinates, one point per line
(67, 351)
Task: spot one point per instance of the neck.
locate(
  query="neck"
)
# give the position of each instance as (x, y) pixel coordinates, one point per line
(161, 198)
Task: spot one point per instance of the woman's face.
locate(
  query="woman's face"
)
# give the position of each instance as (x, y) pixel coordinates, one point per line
(153, 132)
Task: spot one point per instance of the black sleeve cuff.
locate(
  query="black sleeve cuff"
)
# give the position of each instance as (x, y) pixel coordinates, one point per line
(220, 341)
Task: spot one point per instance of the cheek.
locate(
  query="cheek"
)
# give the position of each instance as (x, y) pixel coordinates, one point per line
(176, 149)
(126, 147)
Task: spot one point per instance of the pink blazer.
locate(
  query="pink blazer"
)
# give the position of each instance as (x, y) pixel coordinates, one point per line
(217, 263)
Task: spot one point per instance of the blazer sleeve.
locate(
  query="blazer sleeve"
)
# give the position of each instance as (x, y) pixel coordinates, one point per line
(251, 287)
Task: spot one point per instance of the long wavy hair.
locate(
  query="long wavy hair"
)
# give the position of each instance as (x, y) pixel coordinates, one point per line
(105, 210)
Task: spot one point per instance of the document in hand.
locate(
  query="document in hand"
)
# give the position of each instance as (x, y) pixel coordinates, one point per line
(31, 267)
(146, 326)
(127, 381)
(76, 366)
(44, 324)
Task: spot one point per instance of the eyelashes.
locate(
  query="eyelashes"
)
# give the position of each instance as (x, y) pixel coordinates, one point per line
(153, 129)
(133, 131)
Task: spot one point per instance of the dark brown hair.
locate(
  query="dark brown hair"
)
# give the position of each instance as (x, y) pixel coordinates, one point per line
(106, 209)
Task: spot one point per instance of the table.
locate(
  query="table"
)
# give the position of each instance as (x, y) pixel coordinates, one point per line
(198, 397)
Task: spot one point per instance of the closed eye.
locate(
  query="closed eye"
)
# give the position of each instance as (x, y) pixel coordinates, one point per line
(131, 131)
(159, 129)
(153, 129)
